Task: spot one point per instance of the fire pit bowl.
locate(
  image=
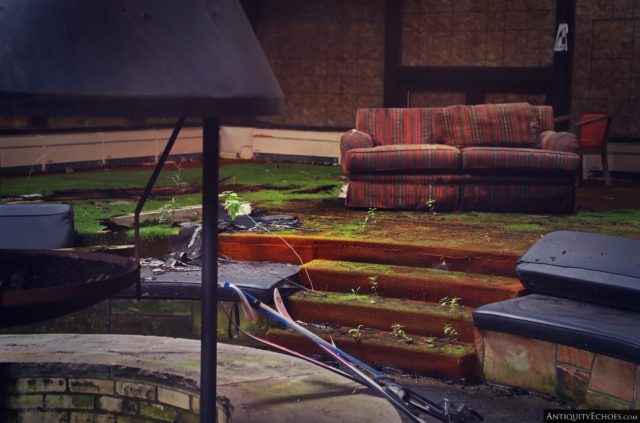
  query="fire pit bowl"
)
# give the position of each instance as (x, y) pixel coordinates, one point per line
(36, 285)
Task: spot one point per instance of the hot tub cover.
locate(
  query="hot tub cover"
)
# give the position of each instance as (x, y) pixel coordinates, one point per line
(582, 266)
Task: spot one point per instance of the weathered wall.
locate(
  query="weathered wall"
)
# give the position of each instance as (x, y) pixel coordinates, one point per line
(328, 56)
(606, 67)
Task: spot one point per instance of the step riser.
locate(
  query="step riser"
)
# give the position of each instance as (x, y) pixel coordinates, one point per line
(409, 288)
(418, 362)
(270, 248)
(352, 314)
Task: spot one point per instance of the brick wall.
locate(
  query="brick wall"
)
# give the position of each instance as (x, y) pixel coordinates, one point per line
(606, 68)
(60, 397)
(328, 57)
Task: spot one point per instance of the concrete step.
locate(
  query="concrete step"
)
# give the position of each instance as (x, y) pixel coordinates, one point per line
(354, 309)
(415, 283)
(422, 356)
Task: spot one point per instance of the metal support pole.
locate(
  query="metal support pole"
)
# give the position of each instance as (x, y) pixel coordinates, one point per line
(208, 351)
(147, 192)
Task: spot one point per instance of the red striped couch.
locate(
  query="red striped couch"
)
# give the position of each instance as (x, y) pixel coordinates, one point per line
(491, 157)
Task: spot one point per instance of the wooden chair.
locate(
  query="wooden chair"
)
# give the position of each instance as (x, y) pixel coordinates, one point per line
(592, 131)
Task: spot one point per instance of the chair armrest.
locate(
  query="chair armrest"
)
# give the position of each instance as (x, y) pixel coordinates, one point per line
(565, 118)
(594, 120)
(559, 141)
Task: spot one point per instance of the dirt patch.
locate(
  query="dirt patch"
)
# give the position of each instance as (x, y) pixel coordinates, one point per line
(97, 193)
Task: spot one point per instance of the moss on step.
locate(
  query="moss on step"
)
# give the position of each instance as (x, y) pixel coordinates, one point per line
(374, 302)
(367, 269)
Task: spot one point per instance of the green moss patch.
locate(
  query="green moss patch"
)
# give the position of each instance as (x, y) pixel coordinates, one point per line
(374, 302)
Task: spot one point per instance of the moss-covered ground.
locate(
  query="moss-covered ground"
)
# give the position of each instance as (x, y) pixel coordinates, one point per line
(310, 192)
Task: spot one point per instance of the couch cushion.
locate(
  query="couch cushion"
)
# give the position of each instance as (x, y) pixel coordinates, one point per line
(583, 266)
(512, 124)
(403, 158)
(518, 160)
(398, 126)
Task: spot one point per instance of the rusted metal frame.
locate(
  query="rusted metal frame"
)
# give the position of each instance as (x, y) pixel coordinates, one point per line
(147, 192)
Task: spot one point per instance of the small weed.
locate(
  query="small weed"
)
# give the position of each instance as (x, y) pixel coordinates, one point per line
(431, 342)
(373, 283)
(355, 291)
(452, 303)
(168, 210)
(450, 332)
(431, 204)
(398, 331)
(231, 203)
(369, 218)
(356, 332)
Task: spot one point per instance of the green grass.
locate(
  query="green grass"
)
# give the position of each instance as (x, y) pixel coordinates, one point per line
(89, 212)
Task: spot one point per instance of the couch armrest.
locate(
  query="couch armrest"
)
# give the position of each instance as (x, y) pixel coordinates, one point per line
(559, 141)
(353, 139)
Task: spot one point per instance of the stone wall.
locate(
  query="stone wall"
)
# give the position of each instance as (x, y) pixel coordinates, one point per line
(581, 376)
(59, 397)
(328, 57)
(606, 67)
(176, 318)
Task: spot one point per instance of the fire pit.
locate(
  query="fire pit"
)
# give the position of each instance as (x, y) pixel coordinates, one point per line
(41, 284)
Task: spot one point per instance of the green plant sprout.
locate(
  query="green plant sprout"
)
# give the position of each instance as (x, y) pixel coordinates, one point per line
(370, 217)
(453, 303)
(168, 210)
(398, 331)
(450, 332)
(431, 204)
(431, 341)
(356, 332)
(373, 283)
(233, 206)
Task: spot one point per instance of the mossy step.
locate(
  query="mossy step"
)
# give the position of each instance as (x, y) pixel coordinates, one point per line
(415, 317)
(415, 283)
(422, 356)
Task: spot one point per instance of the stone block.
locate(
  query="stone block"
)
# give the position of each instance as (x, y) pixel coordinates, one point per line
(604, 402)
(174, 398)
(33, 385)
(119, 405)
(172, 326)
(637, 402)
(21, 402)
(136, 390)
(69, 402)
(575, 356)
(92, 418)
(613, 377)
(195, 404)
(572, 382)
(160, 412)
(519, 361)
(151, 307)
(43, 417)
(93, 386)
(186, 417)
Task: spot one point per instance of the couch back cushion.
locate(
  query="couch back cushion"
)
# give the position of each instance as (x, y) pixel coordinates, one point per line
(486, 125)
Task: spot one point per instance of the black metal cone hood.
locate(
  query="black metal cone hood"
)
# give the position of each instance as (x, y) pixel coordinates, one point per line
(131, 58)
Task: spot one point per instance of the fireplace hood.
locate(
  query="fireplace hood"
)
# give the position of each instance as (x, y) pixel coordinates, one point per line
(135, 58)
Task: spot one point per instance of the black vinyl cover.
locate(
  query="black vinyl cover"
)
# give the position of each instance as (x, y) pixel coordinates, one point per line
(594, 268)
(591, 327)
(36, 226)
